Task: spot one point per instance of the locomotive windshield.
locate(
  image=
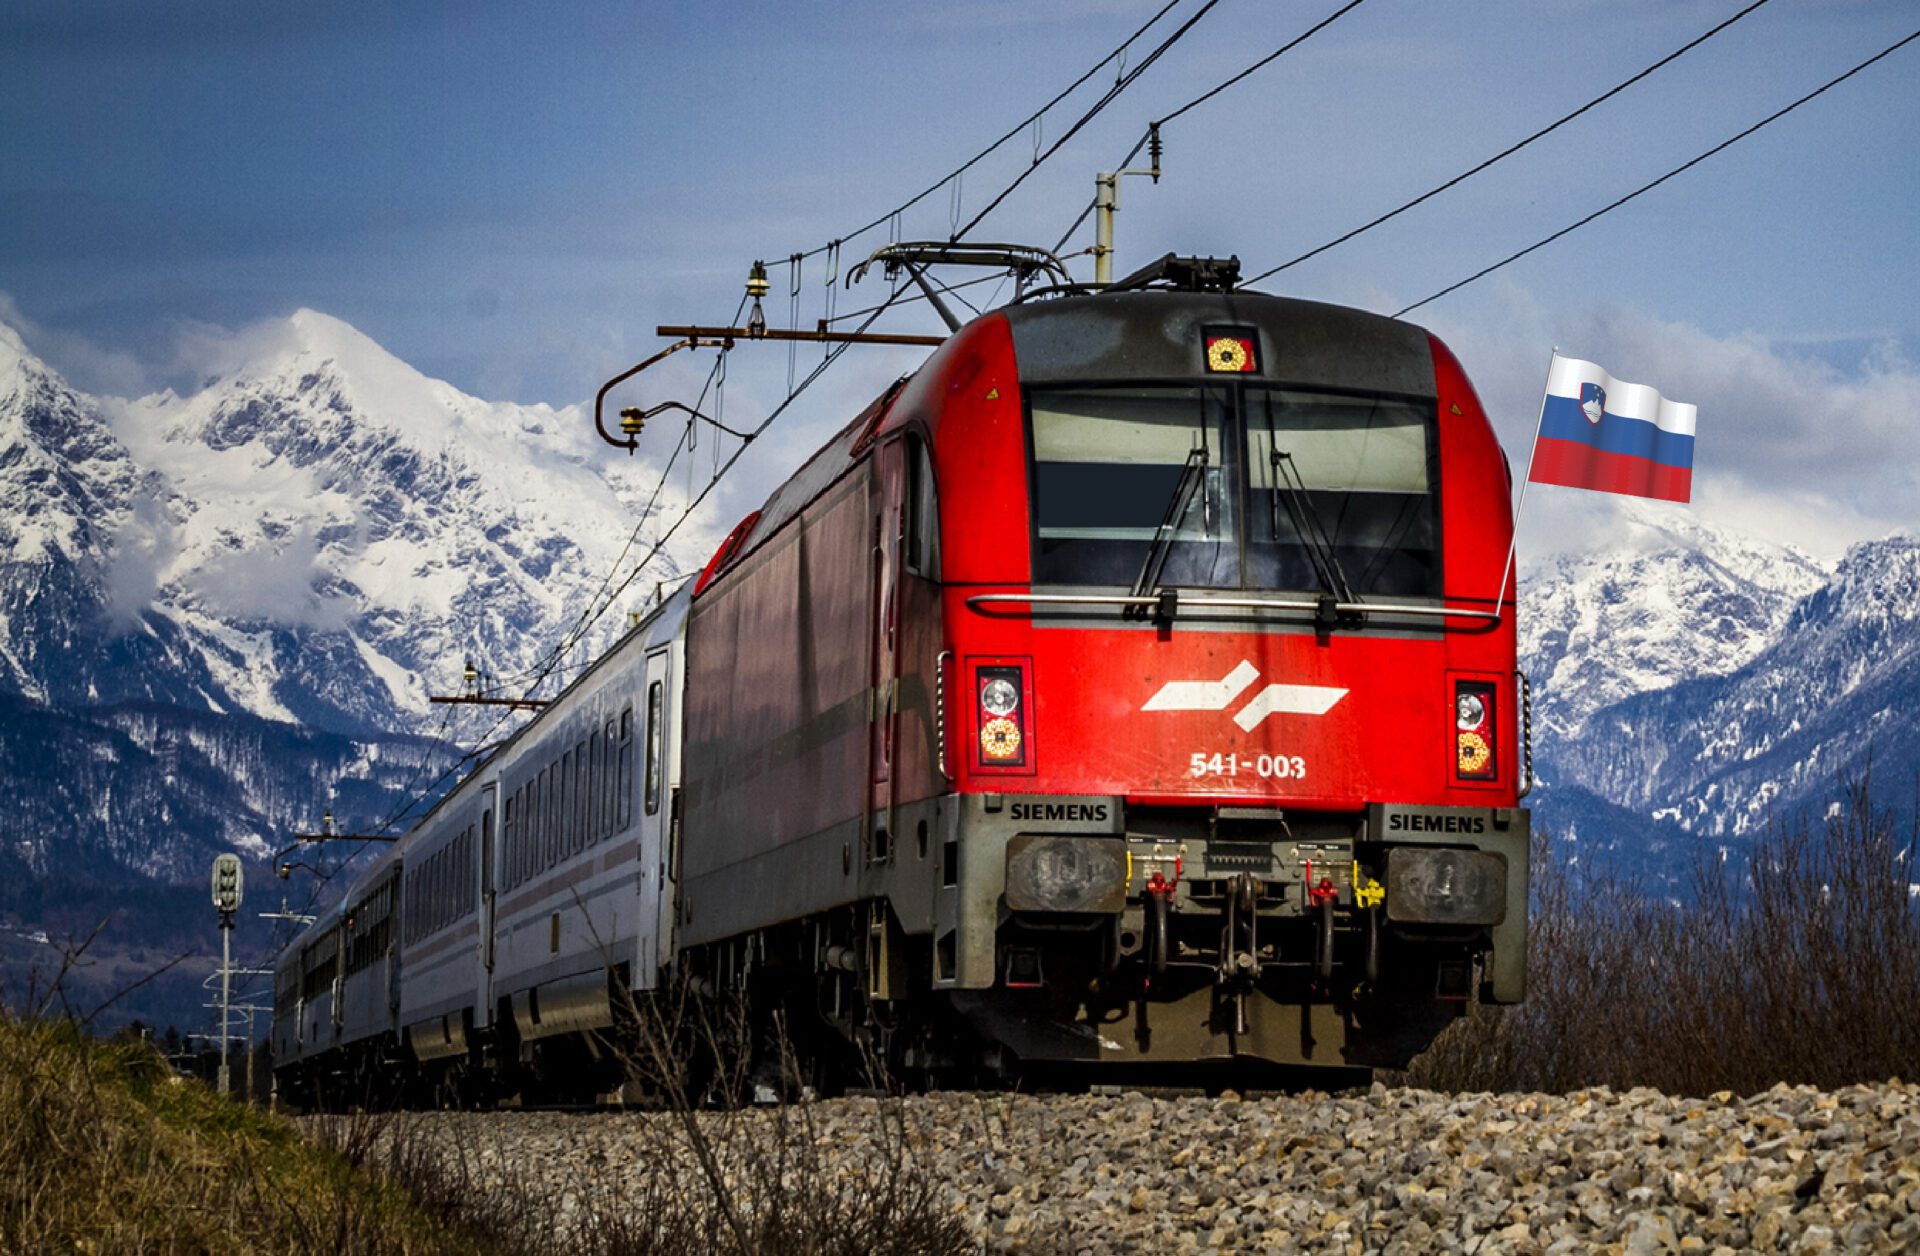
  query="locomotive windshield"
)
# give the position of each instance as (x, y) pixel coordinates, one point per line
(1364, 465)
(1110, 466)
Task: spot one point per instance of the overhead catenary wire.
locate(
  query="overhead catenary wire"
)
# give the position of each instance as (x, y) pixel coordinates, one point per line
(715, 378)
(1608, 208)
(1209, 94)
(556, 656)
(918, 296)
(593, 610)
(891, 219)
(1120, 85)
(596, 607)
(1508, 151)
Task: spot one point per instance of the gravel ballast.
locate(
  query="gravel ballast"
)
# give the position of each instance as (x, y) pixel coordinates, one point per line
(1396, 1170)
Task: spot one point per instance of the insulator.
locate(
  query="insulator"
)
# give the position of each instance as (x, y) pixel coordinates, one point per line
(757, 280)
(1153, 148)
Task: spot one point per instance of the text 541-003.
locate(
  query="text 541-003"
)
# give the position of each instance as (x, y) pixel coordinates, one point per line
(1278, 767)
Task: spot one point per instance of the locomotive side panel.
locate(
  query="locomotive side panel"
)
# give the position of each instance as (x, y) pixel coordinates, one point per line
(924, 680)
(778, 703)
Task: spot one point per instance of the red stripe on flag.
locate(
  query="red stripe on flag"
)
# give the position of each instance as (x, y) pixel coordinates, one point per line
(1573, 465)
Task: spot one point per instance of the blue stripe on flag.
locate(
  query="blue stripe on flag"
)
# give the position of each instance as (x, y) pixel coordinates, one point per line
(1636, 438)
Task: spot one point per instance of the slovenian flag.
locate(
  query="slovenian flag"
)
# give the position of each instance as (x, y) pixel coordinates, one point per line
(1600, 433)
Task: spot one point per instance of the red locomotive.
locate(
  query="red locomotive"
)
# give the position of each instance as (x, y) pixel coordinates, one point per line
(1126, 687)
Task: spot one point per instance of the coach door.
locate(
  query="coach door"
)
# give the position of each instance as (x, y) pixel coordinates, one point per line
(490, 796)
(889, 515)
(659, 823)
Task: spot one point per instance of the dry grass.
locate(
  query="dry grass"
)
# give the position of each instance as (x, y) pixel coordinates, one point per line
(729, 1177)
(103, 1148)
(1803, 967)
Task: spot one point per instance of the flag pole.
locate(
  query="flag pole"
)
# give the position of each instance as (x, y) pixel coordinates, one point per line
(1513, 544)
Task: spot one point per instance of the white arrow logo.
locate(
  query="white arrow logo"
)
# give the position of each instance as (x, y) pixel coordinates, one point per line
(1217, 695)
(1203, 695)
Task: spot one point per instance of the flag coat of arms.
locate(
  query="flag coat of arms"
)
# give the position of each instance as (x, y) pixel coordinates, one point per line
(1604, 434)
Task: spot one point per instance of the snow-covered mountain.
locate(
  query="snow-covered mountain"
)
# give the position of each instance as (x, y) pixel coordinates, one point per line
(1669, 598)
(320, 535)
(68, 631)
(222, 613)
(1837, 687)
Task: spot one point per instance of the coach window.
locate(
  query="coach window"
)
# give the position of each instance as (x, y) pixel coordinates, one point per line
(556, 799)
(923, 511)
(529, 826)
(503, 851)
(655, 694)
(556, 810)
(510, 850)
(588, 766)
(609, 780)
(536, 824)
(582, 793)
(624, 796)
(1116, 469)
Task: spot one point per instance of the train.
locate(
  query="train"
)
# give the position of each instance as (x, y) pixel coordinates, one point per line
(1127, 694)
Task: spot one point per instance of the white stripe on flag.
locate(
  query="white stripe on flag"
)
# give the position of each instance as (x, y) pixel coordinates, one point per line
(1628, 401)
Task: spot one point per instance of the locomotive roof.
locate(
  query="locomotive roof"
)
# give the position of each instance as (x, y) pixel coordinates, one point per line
(1158, 335)
(1142, 334)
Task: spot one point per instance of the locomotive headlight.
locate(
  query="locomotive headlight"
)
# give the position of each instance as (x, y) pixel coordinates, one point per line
(1059, 873)
(1436, 885)
(1474, 754)
(1000, 718)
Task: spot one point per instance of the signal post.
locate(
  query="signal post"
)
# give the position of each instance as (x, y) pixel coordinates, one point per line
(228, 886)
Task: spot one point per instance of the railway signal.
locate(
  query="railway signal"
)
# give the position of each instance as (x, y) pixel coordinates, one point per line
(229, 886)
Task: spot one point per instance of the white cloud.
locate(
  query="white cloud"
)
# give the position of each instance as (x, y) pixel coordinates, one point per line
(84, 364)
(271, 583)
(142, 547)
(1791, 446)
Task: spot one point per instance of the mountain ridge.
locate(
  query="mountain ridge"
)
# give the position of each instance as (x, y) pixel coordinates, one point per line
(319, 534)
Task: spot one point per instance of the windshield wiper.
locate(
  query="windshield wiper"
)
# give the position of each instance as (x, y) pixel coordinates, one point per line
(1307, 524)
(1193, 474)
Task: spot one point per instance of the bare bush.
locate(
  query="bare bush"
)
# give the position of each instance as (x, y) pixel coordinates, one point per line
(1803, 966)
(763, 1179)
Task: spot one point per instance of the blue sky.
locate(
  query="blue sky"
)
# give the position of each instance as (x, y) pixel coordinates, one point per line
(512, 196)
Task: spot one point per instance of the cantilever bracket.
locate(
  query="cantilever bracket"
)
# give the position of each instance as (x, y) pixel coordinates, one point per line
(632, 443)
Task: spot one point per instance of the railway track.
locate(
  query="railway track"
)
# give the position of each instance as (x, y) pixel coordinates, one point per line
(1381, 1169)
